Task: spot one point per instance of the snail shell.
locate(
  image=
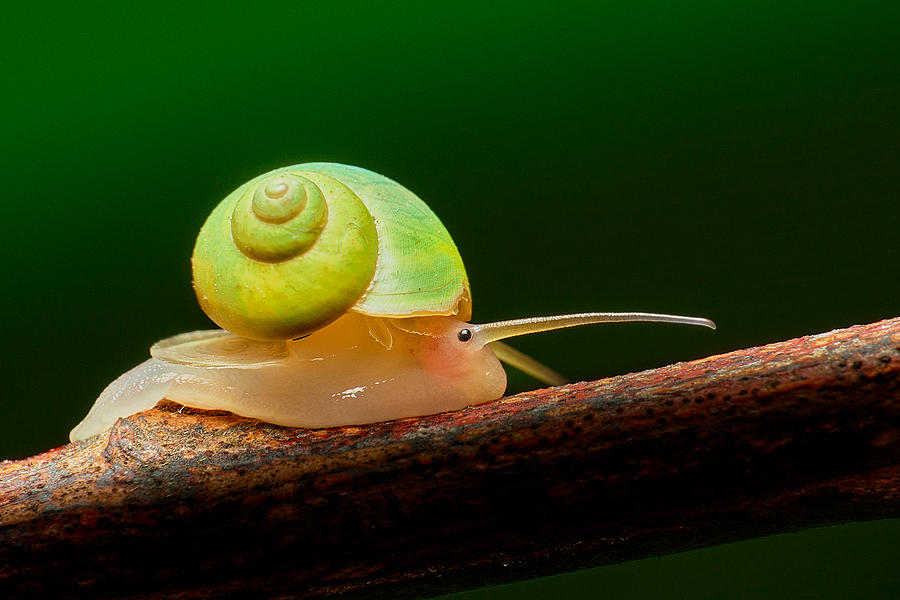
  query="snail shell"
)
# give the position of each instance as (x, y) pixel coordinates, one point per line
(294, 249)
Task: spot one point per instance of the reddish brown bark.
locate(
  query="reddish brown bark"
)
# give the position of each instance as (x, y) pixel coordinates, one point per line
(172, 504)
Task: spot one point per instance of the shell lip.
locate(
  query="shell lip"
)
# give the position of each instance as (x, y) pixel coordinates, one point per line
(461, 308)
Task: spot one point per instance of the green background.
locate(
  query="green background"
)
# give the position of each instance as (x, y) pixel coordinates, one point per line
(733, 160)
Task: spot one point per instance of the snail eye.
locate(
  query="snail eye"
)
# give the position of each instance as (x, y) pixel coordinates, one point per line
(464, 335)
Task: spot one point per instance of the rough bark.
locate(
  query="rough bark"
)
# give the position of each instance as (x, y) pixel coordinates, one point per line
(192, 504)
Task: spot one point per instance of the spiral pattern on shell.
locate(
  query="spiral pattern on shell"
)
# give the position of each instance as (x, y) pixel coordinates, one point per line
(284, 255)
(279, 218)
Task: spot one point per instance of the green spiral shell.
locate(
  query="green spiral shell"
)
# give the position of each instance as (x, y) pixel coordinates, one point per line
(282, 217)
(292, 250)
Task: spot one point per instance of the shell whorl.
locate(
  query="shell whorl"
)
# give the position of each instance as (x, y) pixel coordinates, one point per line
(284, 254)
(279, 218)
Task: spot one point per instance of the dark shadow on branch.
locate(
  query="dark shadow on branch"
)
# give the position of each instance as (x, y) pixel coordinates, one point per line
(196, 504)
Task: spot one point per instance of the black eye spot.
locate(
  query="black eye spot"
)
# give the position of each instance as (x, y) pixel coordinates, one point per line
(464, 335)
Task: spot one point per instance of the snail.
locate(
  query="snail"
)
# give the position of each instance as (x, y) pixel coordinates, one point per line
(342, 301)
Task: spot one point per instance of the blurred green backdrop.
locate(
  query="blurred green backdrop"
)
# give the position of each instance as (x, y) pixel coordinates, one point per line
(733, 160)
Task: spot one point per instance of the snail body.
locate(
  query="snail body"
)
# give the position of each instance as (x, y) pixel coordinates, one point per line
(338, 375)
(343, 301)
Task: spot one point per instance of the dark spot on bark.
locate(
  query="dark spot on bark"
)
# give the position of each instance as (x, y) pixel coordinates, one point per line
(727, 398)
(698, 401)
(878, 377)
(711, 396)
(685, 400)
(742, 393)
(619, 409)
(857, 364)
(669, 403)
(885, 359)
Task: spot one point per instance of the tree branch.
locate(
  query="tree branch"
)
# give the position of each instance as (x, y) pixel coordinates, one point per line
(193, 504)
